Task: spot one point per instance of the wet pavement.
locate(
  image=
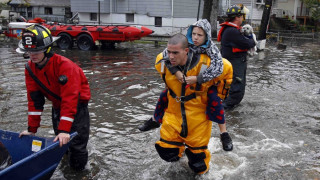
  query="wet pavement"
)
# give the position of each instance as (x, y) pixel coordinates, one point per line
(275, 129)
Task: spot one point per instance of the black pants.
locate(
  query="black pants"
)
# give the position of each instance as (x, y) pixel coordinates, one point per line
(78, 153)
(238, 84)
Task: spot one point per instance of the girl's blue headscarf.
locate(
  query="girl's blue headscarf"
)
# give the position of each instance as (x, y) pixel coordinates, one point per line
(205, 25)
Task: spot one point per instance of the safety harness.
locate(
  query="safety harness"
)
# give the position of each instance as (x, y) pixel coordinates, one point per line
(34, 77)
(183, 144)
(183, 98)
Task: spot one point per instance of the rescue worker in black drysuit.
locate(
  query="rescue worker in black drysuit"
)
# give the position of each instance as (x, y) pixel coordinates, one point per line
(234, 47)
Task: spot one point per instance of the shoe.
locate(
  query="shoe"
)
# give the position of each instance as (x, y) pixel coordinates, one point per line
(148, 125)
(226, 141)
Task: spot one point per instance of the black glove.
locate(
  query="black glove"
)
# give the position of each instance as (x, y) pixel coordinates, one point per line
(148, 125)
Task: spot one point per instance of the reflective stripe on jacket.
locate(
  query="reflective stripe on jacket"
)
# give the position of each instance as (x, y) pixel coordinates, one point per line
(76, 89)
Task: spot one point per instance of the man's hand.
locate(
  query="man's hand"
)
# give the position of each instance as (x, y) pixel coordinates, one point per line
(249, 36)
(179, 76)
(63, 138)
(26, 133)
(191, 79)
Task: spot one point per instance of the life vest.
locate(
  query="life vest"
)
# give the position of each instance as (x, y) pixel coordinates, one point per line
(223, 82)
(223, 26)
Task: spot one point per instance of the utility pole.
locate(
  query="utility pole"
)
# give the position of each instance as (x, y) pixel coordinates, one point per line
(99, 12)
(210, 12)
(198, 10)
(214, 18)
(265, 20)
(207, 7)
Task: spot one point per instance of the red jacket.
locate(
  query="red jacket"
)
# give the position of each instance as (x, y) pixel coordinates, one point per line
(75, 90)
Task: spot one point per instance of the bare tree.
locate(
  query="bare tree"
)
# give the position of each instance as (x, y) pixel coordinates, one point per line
(210, 12)
(207, 7)
(214, 18)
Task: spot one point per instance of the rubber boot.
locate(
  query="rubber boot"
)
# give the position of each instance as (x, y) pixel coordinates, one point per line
(226, 141)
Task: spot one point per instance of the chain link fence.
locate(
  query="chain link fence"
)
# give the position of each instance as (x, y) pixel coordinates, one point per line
(291, 38)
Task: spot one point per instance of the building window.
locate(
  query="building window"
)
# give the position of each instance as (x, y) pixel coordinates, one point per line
(158, 21)
(93, 16)
(48, 10)
(130, 17)
(23, 14)
(21, 10)
(29, 10)
(260, 1)
(68, 13)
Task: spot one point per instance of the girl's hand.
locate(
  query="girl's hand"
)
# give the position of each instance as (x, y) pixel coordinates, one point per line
(179, 76)
(191, 79)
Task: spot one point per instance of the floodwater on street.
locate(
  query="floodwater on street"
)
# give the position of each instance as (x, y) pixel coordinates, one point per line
(275, 129)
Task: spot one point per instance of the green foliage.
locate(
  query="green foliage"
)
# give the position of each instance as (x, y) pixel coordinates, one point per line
(27, 2)
(315, 13)
(303, 28)
(296, 22)
(314, 6)
(307, 28)
(4, 5)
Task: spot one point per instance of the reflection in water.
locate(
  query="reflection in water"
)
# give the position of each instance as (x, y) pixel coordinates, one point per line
(275, 129)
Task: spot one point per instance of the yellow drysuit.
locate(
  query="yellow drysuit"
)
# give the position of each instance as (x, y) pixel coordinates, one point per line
(184, 122)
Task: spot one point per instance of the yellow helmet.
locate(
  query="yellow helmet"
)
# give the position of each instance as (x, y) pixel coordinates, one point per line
(237, 10)
(35, 38)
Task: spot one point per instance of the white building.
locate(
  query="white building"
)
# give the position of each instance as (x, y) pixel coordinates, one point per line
(51, 10)
(165, 17)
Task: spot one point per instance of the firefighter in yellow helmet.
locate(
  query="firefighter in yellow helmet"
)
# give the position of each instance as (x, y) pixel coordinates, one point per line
(234, 47)
(185, 127)
(237, 10)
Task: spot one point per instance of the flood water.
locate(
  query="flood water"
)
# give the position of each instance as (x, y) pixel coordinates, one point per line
(275, 129)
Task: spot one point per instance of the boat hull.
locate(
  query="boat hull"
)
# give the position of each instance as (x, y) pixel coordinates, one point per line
(27, 164)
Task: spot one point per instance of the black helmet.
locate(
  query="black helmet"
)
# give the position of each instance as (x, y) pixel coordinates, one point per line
(35, 38)
(237, 10)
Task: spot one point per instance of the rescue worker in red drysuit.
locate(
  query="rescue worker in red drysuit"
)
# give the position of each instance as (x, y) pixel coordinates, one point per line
(64, 84)
(184, 123)
(234, 47)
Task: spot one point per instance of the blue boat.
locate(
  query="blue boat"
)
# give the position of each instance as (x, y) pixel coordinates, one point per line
(32, 157)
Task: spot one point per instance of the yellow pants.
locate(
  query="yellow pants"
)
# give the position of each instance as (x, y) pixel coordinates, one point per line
(171, 145)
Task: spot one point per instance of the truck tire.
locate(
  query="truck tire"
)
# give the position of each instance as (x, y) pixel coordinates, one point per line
(65, 41)
(85, 42)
